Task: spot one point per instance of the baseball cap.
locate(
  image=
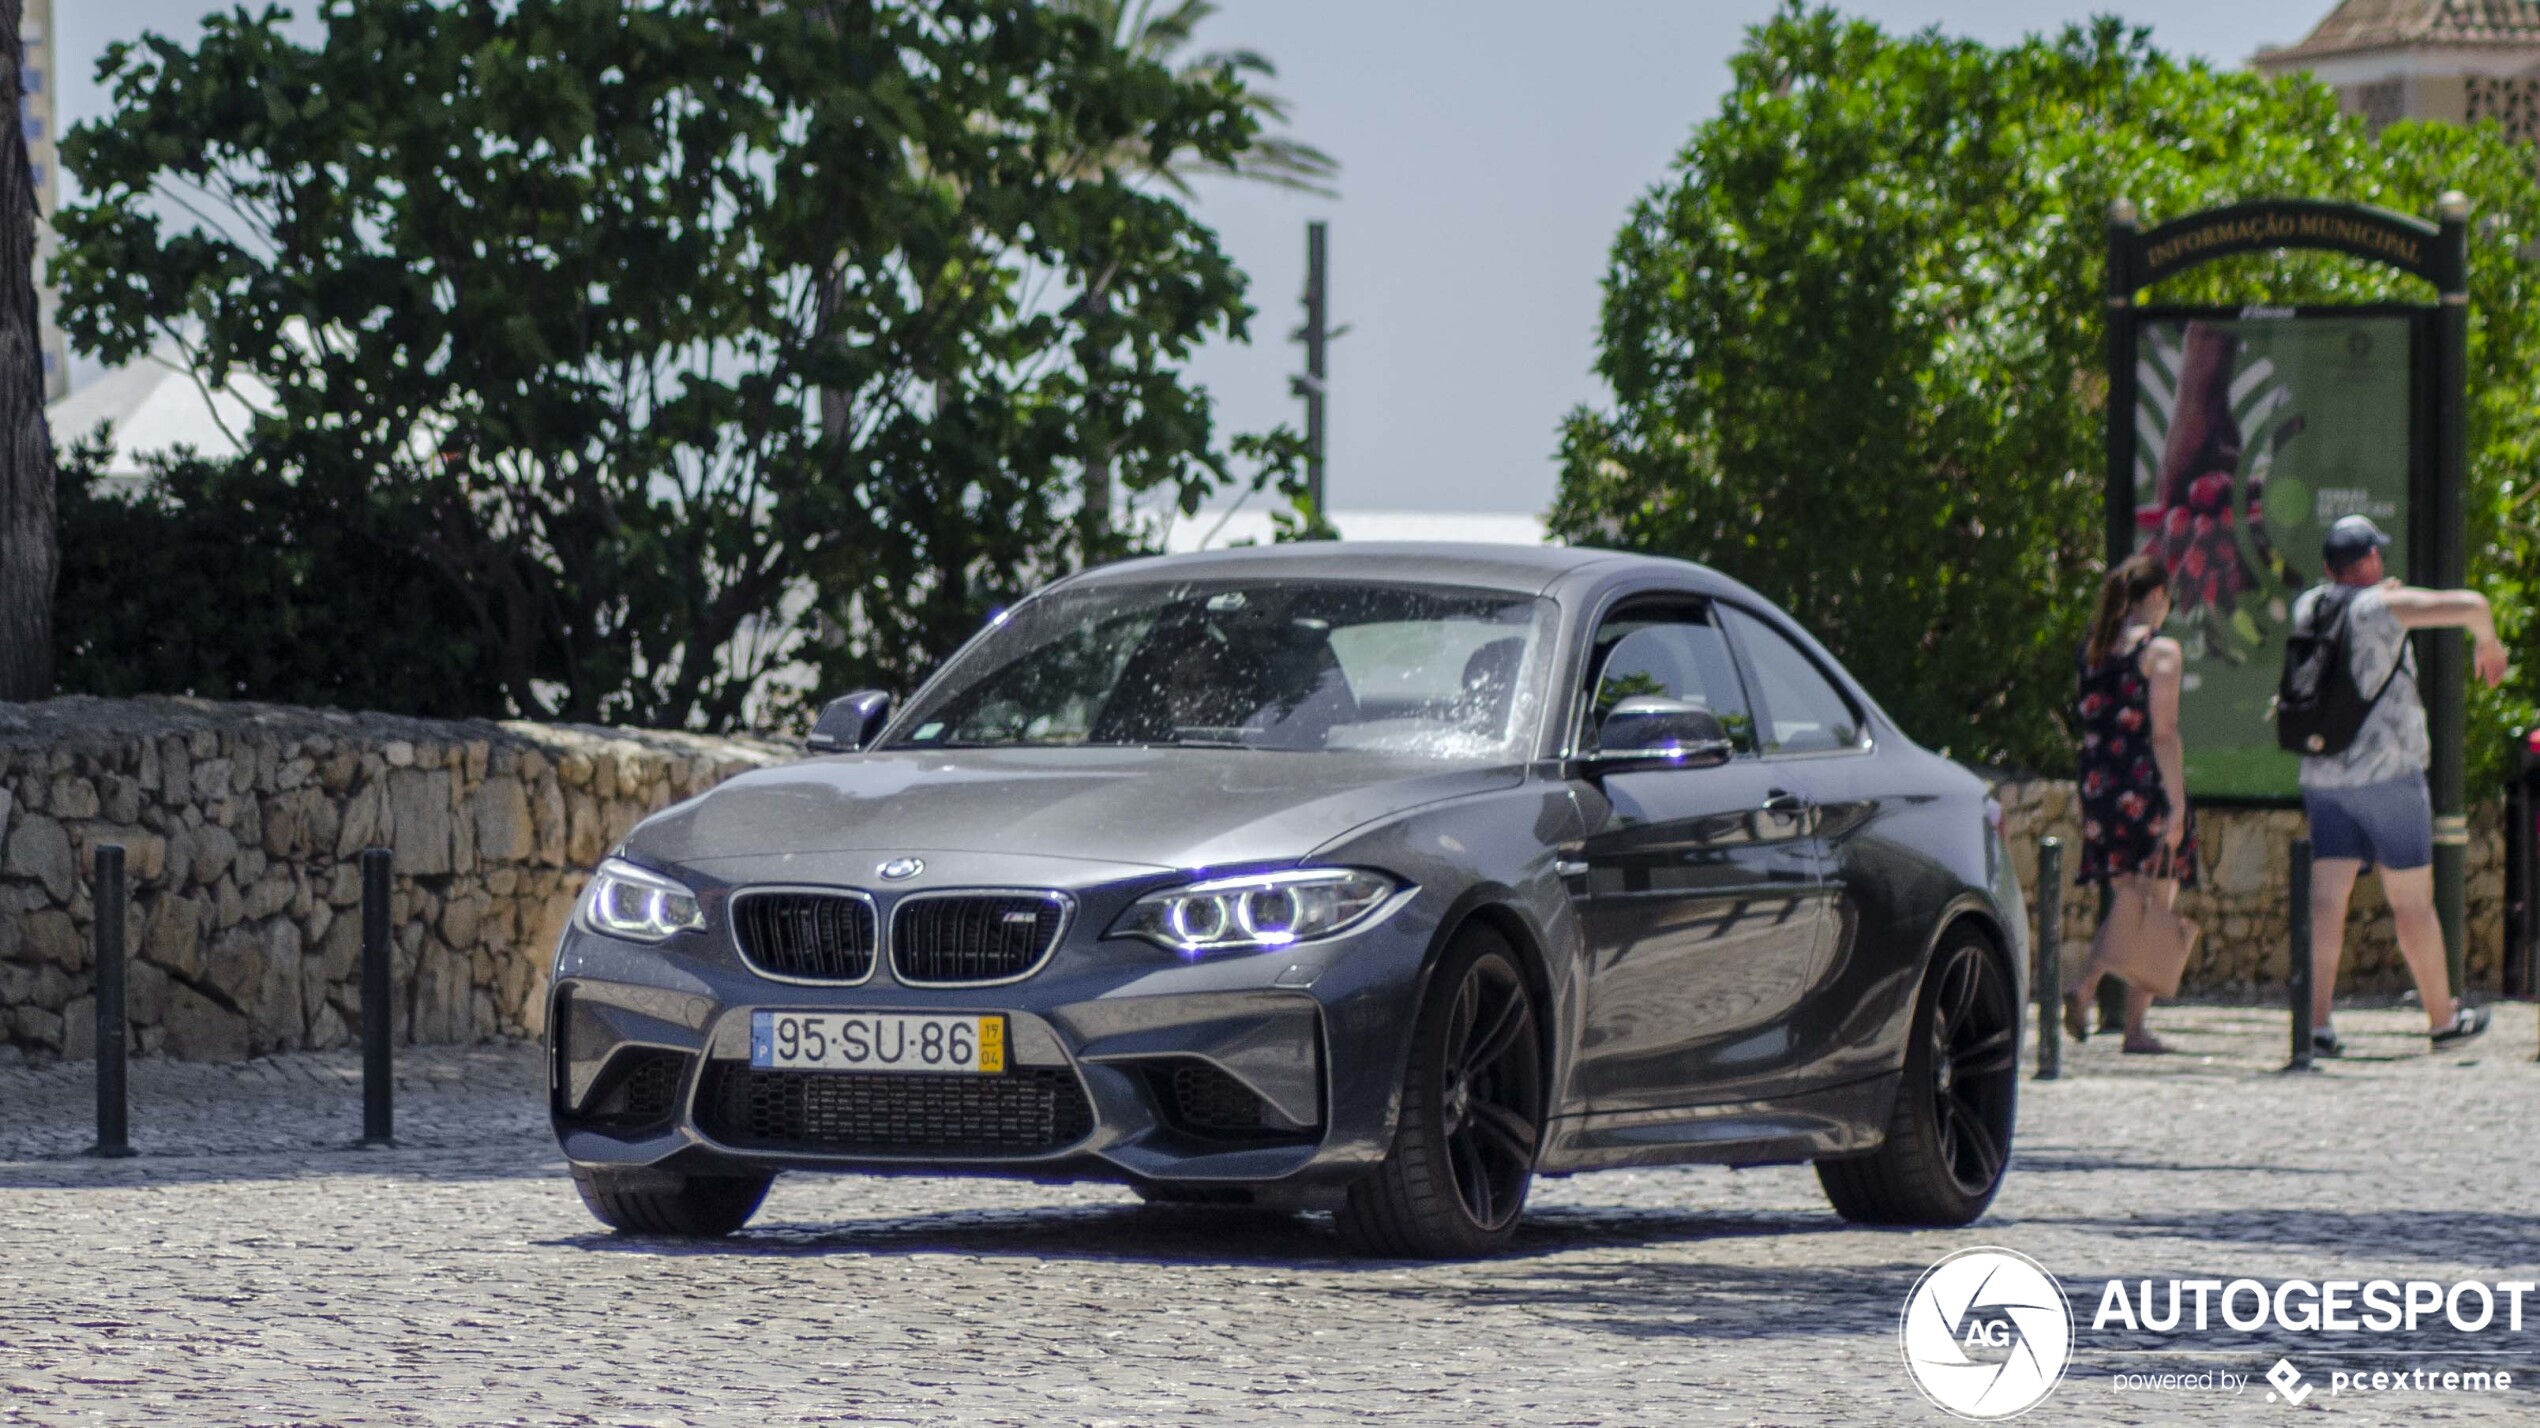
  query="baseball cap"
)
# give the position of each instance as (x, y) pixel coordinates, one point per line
(2351, 539)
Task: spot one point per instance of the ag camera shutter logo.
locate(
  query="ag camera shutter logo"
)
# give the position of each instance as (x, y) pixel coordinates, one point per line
(1986, 1334)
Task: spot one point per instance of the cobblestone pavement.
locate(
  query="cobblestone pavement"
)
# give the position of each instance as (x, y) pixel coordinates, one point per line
(251, 1267)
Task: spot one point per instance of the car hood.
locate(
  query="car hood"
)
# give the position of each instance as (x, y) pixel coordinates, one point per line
(1163, 808)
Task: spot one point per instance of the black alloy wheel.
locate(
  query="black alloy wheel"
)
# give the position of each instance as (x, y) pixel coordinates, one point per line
(1975, 1057)
(1472, 1115)
(1493, 1102)
(1949, 1136)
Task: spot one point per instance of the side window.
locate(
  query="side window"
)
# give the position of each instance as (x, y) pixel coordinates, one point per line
(1803, 711)
(1674, 654)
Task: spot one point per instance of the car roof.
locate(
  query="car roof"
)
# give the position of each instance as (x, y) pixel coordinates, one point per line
(1528, 569)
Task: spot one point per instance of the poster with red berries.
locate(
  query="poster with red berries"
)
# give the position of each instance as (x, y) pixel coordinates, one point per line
(2255, 431)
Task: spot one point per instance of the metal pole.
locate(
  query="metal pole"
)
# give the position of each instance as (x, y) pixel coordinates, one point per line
(2447, 668)
(2519, 972)
(2297, 969)
(1317, 335)
(2121, 284)
(114, 1126)
(2050, 958)
(377, 1067)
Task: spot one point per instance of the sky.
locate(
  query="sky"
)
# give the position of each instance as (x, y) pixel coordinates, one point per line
(1490, 151)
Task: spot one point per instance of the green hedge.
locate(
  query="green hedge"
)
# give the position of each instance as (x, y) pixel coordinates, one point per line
(225, 582)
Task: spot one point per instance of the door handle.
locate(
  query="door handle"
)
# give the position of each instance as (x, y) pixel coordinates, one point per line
(1782, 800)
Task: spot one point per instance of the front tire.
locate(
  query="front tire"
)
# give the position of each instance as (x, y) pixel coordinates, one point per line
(1949, 1136)
(1463, 1157)
(663, 1202)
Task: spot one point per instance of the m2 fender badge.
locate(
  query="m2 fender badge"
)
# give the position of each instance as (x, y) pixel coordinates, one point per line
(900, 870)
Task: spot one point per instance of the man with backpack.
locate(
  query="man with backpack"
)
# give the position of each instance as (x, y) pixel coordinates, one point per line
(2348, 704)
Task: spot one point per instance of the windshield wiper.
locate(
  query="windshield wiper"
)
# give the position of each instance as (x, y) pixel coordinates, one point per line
(1209, 736)
(1180, 741)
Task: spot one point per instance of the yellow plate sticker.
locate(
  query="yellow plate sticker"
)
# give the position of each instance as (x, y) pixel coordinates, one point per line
(992, 1044)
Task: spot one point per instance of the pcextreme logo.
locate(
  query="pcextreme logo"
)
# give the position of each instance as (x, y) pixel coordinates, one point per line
(1986, 1334)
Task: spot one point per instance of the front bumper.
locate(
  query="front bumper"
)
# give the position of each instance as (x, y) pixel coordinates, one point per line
(1262, 1070)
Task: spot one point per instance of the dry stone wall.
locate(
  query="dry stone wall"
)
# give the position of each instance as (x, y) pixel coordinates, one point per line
(2244, 901)
(243, 825)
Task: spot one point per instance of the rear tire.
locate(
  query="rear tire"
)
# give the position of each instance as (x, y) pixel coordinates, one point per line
(1454, 1184)
(1949, 1136)
(664, 1202)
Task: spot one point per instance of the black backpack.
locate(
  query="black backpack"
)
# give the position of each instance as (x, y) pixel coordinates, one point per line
(2318, 706)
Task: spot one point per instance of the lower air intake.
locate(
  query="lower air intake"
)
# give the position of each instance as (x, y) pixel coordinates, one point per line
(1198, 1099)
(1025, 1111)
(639, 1087)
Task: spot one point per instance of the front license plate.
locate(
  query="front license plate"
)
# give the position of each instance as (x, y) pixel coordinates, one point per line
(877, 1041)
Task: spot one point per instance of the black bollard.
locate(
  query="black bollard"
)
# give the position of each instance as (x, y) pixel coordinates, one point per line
(2050, 958)
(2298, 969)
(378, 1110)
(114, 1125)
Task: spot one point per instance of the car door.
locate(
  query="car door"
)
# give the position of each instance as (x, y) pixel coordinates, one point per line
(1814, 741)
(1697, 889)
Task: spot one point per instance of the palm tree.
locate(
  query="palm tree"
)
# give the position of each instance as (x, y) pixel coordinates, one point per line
(1147, 31)
(1143, 30)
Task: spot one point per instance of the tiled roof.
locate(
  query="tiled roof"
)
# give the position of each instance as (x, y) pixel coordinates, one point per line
(2387, 24)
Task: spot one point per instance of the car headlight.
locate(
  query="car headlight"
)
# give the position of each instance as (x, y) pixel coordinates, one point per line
(638, 904)
(1255, 913)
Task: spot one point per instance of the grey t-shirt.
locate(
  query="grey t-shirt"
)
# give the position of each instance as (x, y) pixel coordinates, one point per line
(2392, 743)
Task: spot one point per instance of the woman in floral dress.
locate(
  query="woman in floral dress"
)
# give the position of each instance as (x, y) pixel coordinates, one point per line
(2135, 825)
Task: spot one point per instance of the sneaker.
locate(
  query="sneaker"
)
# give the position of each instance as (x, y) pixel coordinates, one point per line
(2467, 1024)
(2326, 1042)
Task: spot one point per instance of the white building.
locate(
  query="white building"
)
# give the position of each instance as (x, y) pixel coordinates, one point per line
(2457, 60)
(156, 406)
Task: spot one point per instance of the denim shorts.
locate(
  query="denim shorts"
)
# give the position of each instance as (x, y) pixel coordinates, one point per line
(2390, 824)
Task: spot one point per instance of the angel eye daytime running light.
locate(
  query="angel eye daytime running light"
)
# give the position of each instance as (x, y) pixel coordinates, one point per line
(1258, 913)
(639, 905)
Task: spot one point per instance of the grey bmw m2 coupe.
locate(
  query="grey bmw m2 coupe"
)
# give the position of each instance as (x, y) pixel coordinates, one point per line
(1371, 878)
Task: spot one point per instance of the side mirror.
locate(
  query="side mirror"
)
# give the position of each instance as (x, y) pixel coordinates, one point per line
(849, 722)
(1648, 732)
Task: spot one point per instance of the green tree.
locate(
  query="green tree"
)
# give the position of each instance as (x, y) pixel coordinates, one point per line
(1855, 342)
(683, 338)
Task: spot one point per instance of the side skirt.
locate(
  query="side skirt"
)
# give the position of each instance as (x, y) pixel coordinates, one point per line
(1837, 1121)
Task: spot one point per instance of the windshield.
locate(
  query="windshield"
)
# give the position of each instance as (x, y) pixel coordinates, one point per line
(1432, 671)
